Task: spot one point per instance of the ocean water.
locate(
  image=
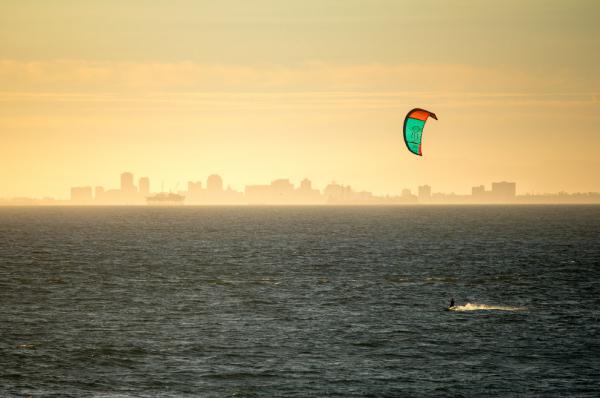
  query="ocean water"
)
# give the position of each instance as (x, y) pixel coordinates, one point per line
(300, 301)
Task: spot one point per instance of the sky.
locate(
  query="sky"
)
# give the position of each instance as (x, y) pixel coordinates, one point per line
(264, 89)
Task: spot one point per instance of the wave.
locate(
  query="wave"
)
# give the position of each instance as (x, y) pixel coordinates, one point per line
(484, 307)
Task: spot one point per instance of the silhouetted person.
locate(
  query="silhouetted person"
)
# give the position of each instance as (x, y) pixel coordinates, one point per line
(451, 303)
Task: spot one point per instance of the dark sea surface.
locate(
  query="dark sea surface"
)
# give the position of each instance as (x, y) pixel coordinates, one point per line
(300, 301)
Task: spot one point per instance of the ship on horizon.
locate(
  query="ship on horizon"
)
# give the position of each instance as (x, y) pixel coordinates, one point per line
(165, 199)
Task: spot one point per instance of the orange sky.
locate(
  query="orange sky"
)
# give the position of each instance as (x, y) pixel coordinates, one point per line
(182, 89)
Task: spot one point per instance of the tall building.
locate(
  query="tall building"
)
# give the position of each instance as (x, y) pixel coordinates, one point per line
(214, 183)
(144, 186)
(127, 182)
(305, 194)
(305, 185)
(424, 193)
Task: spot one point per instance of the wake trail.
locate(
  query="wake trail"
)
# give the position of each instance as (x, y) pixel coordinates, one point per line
(484, 307)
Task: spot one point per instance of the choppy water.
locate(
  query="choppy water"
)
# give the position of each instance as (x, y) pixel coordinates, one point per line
(299, 302)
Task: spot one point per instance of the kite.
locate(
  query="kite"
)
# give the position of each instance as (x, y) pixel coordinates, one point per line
(413, 129)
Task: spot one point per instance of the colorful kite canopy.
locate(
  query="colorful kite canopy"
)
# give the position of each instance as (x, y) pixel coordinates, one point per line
(413, 129)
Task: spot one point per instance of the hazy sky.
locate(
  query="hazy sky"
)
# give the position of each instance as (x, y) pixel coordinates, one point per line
(258, 90)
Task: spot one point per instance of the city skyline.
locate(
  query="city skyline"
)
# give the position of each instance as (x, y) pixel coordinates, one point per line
(282, 191)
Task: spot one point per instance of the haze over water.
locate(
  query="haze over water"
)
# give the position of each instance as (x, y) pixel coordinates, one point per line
(300, 301)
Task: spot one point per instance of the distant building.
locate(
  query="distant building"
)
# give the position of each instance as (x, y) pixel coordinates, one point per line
(305, 194)
(407, 196)
(81, 195)
(257, 194)
(336, 193)
(478, 193)
(194, 188)
(478, 190)
(504, 191)
(98, 193)
(127, 183)
(282, 191)
(194, 192)
(113, 197)
(214, 183)
(144, 186)
(282, 187)
(305, 185)
(424, 193)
